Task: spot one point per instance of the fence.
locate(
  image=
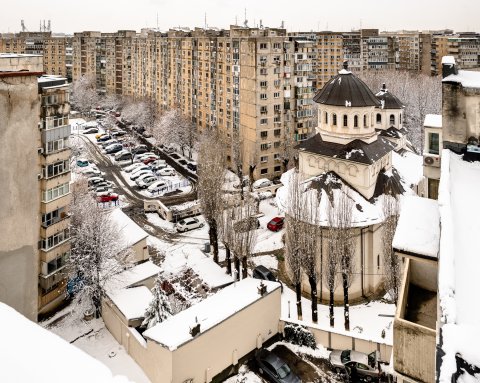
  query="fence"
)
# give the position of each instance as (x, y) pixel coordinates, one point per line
(333, 340)
(170, 186)
(173, 214)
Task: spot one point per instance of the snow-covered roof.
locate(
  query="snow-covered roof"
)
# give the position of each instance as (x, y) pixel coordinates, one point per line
(409, 166)
(433, 121)
(132, 302)
(418, 229)
(468, 79)
(458, 281)
(210, 273)
(133, 276)
(448, 60)
(129, 230)
(26, 349)
(175, 331)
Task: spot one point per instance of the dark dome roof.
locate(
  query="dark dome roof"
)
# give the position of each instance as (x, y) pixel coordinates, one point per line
(388, 100)
(346, 89)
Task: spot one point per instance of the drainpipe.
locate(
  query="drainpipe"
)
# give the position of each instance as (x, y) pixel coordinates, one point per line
(362, 255)
(321, 265)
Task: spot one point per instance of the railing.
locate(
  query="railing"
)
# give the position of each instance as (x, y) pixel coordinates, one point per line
(52, 295)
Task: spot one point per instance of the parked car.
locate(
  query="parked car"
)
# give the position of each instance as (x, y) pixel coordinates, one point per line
(99, 189)
(188, 224)
(107, 143)
(175, 156)
(261, 272)
(158, 164)
(276, 224)
(140, 149)
(182, 162)
(168, 149)
(123, 155)
(97, 136)
(261, 183)
(104, 137)
(132, 167)
(92, 172)
(166, 172)
(92, 181)
(150, 159)
(192, 166)
(118, 133)
(157, 187)
(107, 197)
(146, 182)
(139, 168)
(90, 131)
(136, 175)
(82, 163)
(276, 181)
(115, 148)
(245, 183)
(275, 368)
(342, 362)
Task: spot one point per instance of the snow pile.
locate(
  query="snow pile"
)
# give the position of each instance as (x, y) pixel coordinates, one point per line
(468, 79)
(433, 121)
(133, 276)
(132, 302)
(244, 376)
(448, 60)
(353, 151)
(175, 331)
(320, 352)
(410, 167)
(458, 283)
(269, 261)
(27, 349)
(418, 233)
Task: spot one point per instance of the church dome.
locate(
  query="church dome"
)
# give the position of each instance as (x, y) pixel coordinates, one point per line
(346, 89)
(388, 100)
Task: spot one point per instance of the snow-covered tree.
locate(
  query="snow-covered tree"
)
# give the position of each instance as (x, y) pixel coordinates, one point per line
(211, 175)
(159, 308)
(225, 228)
(331, 260)
(84, 95)
(391, 262)
(294, 235)
(144, 113)
(97, 250)
(421, 94)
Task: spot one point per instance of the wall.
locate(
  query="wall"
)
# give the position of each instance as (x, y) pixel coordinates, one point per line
(19, 188)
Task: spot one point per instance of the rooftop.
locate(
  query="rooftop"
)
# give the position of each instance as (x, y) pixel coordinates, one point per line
(468, 79)
(175, 331)
(433, 121)
(133, 276)
(129, 230)
(388, 100)
(132, 302)
(418, 234)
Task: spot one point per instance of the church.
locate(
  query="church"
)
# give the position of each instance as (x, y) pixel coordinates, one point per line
(360, 148)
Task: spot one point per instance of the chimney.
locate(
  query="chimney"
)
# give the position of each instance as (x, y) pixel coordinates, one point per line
(448, 66)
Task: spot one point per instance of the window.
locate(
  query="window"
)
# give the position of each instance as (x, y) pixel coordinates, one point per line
(263, 96)
(55, 239)
(326, 118)
(263, 121)
(264, 159)
(276, 95)
(56, 169)
(263, 109)
(263, 84)
(276, 156)
(400, 118)
(264, 171)
(355, 121)
(392, 119)
(263, 146)
(263, 45)
(54, 146)
(276, 83)
(277, 169)
(264, 134)
(345, 121)
(55, 192)
(379, 118)
(276, 45)
(334, 118)
(263, 71)
(365, 121)
(277, 132)
(433, 143)
(276, 107)
(276, 144)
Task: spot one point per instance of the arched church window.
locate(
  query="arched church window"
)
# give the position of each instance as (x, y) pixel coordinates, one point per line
(326, 118)
(365, 121)
(355, 121)
(392, 119)
(334, 118)
(379, 118)
(400, 118)
(345, 121)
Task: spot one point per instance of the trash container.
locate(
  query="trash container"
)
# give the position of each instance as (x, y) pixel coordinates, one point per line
(206, 248)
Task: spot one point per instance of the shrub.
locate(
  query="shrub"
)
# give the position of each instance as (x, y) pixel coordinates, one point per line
(299, 335)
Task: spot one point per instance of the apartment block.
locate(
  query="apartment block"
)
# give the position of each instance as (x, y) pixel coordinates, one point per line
(54, 180)
(463, 47)
(19, 171)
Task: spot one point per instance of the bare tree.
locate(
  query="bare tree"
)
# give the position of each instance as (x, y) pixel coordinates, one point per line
(225, 226)
(310, 246)
(421, 94)
(237, 159)
(294, 235)
(84, 95)
(211, 175)
(331, 260)
(390, 209)
(97, 252)
(244, 234)
(344, 244)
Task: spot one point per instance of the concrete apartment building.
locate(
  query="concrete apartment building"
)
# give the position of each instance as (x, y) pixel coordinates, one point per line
(35, 224)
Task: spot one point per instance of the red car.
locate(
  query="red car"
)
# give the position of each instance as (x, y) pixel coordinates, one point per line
(107, 197)
(146, 161)
(276, 224)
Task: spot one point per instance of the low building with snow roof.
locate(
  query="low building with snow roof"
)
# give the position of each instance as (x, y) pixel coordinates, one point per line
(229, 324)
(133, 236)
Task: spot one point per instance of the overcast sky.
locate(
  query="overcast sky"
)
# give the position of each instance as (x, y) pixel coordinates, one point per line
(110, 15)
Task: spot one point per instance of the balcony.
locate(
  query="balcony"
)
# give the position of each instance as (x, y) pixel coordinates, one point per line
(49, 255)
(47, 229)
(57, 294)
(55, 204)
(414, 327)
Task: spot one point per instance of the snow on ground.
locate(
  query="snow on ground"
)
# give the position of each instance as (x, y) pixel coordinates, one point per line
(244, 376)
(90, 336)
(410, 167)
(366, 320)
(269, 261)
(268, 240)
(159, 222)
(319, 352)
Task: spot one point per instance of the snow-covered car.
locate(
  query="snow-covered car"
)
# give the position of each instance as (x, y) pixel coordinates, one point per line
(91, 172)
(157, 187)
(142, 156)
(107, 197)
(132, 167)
(137, 175)
(139, 168)
(149, 159)
(343, 361)
(93, 181)
(187, 224)
(168, 149)
(146, 182)
(106, 184)
(82, 163)
(166, 172)
(90, 131)
(261, 183)
(103, 189)
(115, 148)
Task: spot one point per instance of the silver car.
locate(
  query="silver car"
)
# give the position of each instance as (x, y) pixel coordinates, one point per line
(366, 366)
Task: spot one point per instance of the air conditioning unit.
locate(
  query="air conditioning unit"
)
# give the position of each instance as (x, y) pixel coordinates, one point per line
(431, 160)
(39, 176)
(40, 150)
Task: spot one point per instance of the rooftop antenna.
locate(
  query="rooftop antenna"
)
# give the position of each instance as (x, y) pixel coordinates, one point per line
(205, 20)
(360, 24)
(44, 27)
(236, 20)
(282, 25)
(49, 26)
(245, 23)
(157, 20)
(40, 25)
(261, 24)
(22, 23)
